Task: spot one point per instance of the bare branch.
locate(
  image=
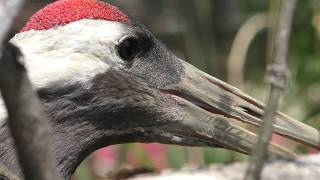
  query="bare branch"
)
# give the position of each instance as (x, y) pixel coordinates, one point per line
(278, 74)
(28, 126)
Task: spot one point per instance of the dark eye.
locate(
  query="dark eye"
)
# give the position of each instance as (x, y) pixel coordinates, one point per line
(129, 48)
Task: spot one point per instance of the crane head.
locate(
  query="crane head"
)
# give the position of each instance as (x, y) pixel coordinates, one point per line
(102, 74)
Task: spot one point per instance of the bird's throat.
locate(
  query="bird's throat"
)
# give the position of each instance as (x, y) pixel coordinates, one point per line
(72, 145)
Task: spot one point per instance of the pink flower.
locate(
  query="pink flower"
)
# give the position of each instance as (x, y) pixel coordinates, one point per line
(158, 154)
(105, 160)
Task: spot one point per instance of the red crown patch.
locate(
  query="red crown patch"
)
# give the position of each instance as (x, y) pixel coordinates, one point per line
(64, 12)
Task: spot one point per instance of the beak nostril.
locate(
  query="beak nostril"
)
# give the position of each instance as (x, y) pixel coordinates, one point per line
(198, 102)
(251, 112)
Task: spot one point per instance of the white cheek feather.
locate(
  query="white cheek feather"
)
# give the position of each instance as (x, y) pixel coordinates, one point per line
(69, 54)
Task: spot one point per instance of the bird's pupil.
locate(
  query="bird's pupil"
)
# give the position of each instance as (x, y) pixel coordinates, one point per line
(129, 49)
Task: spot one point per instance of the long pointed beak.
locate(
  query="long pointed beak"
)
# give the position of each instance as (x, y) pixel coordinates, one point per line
(213, 106)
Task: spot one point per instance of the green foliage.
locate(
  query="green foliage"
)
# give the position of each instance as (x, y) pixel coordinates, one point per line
(177, 156)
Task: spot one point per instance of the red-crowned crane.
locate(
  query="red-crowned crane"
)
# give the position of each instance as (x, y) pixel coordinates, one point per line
(104, 79)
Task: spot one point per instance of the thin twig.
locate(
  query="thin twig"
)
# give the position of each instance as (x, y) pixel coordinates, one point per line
(277, 77)
(28, 126)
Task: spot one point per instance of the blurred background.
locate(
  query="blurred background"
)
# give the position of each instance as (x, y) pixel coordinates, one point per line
(227, 39)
